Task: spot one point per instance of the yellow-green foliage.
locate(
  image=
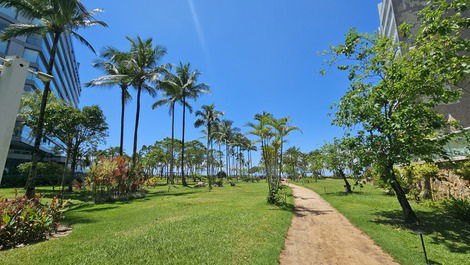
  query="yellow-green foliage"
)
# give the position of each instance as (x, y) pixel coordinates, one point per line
(464, 170)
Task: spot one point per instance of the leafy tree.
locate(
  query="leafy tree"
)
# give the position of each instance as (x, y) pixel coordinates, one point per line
(57, 17)
(335, 159)
(208, 117)
(395, 88)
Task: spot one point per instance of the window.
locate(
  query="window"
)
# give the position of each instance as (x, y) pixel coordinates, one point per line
(3, 44)
(9, 11)
(34, 39)
(31, 55)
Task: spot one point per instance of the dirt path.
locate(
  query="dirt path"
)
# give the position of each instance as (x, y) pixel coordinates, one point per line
(321, 235)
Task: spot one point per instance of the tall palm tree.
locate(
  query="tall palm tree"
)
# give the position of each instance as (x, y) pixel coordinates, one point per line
(171, 96)
(209, 117)
(227, 131)
(56, 17)
(186, 80)
(144, 68)
(113, 64)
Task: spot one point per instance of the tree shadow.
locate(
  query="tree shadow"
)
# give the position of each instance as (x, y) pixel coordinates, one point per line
(343, 193)
(441, 228)
(301, 211)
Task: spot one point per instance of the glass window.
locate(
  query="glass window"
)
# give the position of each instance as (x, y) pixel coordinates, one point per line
(9, 11)
(31, 55)
(3, 44)
(34, 39)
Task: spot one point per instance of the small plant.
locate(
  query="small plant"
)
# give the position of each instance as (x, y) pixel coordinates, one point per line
(464, 170)
(25, 221)
(459, 208)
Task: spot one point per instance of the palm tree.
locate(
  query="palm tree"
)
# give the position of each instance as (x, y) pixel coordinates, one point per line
(171, 95)
(186, 80)
(113, 63)
(283, 129)
(227, 131)
(210, 118)
(56, 18)
(144, 67)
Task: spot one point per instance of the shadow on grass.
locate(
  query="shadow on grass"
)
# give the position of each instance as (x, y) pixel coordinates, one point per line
(343, 193)
(441, 228)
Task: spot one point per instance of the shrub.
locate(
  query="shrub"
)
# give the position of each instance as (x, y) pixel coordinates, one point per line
(152, 181)
(458, 208)
(24, 221)
(464, 170)
(110, 179)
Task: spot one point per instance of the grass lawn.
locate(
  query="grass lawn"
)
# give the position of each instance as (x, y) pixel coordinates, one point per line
(230, 225)
(380, 216)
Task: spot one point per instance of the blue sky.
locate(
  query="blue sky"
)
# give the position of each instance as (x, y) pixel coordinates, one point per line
(257, 55)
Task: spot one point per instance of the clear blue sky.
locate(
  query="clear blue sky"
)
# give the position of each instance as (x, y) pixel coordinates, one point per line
(257, 55)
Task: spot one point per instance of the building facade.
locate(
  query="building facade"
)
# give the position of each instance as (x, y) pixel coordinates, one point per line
(66, 83)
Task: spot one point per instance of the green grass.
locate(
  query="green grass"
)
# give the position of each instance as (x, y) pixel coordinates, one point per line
(380, 216)
(230, 225)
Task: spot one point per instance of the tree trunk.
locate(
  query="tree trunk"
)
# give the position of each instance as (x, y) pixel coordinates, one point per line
(172, 181)
(347, 186)
(136, 129)
(409, 214)
(30, 182)
(209, 161)
(183, 178)
(67, 158)
(123, 106)
(73, 167)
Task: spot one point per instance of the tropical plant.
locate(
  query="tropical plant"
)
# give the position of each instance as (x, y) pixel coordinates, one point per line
(185, 80)
(26, 221)
(171, 95)
(56, 17)
(144, 68)
(113, 64)
(208, 117)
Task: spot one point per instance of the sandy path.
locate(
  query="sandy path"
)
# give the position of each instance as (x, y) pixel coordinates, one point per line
(321, 235)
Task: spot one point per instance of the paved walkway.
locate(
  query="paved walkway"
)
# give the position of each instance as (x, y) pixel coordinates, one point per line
(320, 235)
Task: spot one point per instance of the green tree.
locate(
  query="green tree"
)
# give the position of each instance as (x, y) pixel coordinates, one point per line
(208, 117)
(335, 159)
(113, 64)
(55, 18)
(171, 95)
(144, 68)
(395, 88)
(185, 80)
(283, 129)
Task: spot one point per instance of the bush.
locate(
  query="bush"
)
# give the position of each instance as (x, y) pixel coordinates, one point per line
(110, 180)
(464, 170)
(458, 208)
(24, 221)
(49, 174)
(152, 181)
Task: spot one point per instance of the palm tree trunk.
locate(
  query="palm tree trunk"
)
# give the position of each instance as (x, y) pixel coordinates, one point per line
(209, 158)
(226, 160)
(136, 129)
(123, 106)
(183, 179)
(172, 143)
(281, 162)
(30, 183)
